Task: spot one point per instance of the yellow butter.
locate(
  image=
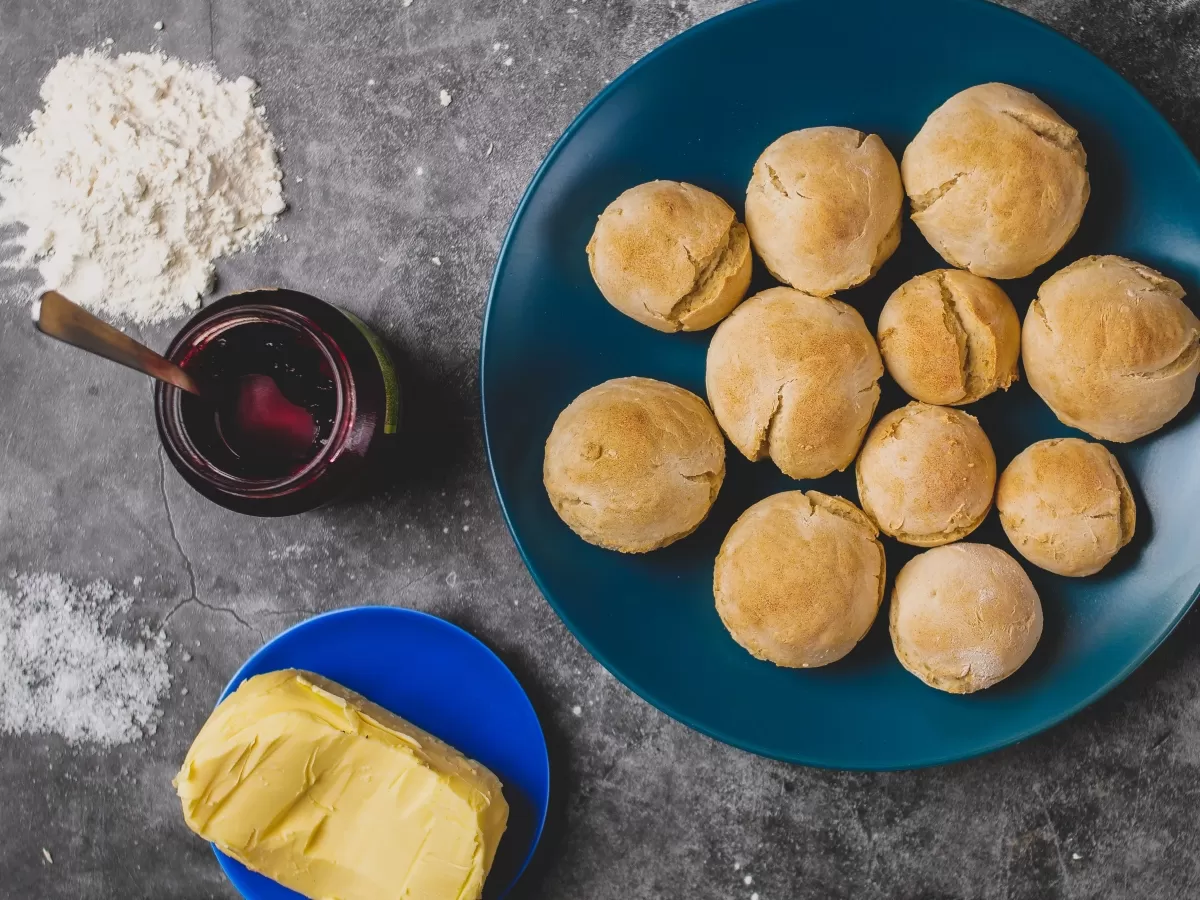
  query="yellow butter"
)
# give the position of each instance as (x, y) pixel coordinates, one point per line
(335, 797)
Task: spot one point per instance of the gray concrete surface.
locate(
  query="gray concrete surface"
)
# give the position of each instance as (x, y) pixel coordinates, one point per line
(1105, 806)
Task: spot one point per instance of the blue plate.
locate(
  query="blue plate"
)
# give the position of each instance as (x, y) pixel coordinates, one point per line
(440, 678)
(700, 109)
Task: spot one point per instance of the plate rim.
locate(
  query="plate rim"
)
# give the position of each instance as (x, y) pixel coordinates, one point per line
(502, 260)
(401, 612)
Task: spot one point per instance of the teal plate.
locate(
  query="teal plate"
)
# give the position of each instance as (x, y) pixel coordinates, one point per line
(700, 109)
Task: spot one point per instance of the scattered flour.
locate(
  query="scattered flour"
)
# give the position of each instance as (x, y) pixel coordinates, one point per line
(64, 671)
(135, 176)
(291, 551)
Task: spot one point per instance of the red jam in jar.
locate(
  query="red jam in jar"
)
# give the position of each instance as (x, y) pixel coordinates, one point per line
(301, 404)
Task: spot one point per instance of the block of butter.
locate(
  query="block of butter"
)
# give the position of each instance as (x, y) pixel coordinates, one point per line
(335, 797)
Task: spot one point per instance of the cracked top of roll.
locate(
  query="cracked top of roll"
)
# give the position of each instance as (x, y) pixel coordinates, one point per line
(823, 208)
(670, 255)
(998, 181)
(794, 377)
(1111, 347)
(634, 464)
(1066, 506)
(949, 337)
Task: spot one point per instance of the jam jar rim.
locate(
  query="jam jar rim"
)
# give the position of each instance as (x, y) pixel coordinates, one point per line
(168, 398)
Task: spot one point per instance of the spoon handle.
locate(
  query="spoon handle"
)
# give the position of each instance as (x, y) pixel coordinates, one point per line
(55, 315)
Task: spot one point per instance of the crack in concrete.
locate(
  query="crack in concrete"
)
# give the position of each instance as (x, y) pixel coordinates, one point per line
(1058, 850)
(193, 596)
(415, 581)
(304, 612)
(211, 607)
(162, 490)
(212, 32)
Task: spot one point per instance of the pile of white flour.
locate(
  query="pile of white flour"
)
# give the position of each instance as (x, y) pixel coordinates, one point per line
(138, 172)
(64, 671)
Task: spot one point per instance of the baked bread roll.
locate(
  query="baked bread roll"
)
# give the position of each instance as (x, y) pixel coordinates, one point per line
(634, 464)
(926, 474)
(671, 255)
(1111, 347)
(799, 578)
(964, 617)
(997, 180)
(823, 208)
(794, 377)
(949, 337)
(1066, 506)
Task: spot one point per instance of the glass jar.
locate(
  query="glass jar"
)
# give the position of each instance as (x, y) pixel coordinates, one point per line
(321, 358)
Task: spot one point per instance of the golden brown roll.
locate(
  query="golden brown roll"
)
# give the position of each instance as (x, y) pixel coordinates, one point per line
(926, 474)
(998, 181)
(1066, 506)
(671, 255)
(949, 337)
(1111, 347)
(964, 617)
(794, 377)
(634, 464)
(799, 578)
(823, 208)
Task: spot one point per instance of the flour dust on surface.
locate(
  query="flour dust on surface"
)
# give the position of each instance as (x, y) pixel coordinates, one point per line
(67, 668)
